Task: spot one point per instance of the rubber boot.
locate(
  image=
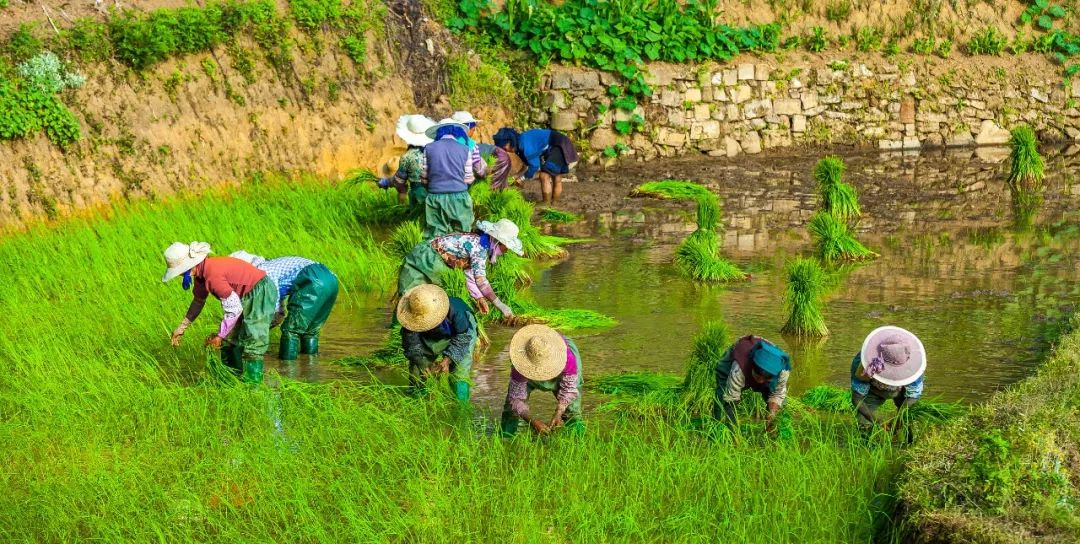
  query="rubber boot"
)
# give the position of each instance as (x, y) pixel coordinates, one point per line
(290, 346)
(509, 425)
(461, 391)
(232, 357)
(309, 344)
(253, 370)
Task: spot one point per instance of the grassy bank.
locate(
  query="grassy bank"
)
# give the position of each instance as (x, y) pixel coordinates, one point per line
(1010, 471)
(110, 434)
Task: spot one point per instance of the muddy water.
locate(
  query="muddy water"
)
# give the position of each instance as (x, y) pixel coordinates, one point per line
(982, 293)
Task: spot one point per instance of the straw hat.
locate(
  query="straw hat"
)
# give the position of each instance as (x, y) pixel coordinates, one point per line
(254, 260)
(464, 118)
(538, 352)
(423, 307)
(893, 356)
(431, 131)
(390, 167)
(505, 231)
(180, 258)
(413, 128)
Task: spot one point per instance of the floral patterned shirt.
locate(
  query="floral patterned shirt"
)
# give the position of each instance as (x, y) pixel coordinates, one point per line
(464, 251)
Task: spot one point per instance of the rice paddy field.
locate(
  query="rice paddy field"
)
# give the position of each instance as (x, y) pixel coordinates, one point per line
(111, 435)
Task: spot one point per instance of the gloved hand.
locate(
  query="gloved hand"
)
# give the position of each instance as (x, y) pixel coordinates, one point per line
(213, 341)
(384, 183)
(506, 311)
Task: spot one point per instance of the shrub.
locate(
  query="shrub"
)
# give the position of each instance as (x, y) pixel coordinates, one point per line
(313, 14)
(868, 39)
(818, 40)
(944, 49)
(806, 283)
(990, 41)
(924, 46)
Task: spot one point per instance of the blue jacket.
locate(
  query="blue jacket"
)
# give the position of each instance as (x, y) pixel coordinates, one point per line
(531, 147)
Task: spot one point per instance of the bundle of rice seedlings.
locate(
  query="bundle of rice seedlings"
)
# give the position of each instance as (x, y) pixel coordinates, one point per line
(698, 391)
(827, 397)
(670, 190)
(835, 399)
(404, 239)
(633, 383)
(551, 215)
(834, 240)
(371, 204)
(837, 198)
(1027, 166)
(708, 212)
(806, 282)
(361, 176)
(391, 353)
(698, 256)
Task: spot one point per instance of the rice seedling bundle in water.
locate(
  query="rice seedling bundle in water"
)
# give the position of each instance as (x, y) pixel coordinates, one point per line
(404, 239)
(806, 282)
(837, 198)
(634, 383)
(698, 256)
(551, 215)
(698, 394)
(834, 240)
(671, 190)
(708, 212)
(1027, 165)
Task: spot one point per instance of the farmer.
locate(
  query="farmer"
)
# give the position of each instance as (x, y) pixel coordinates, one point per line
(546, 151)
(465, 118)
(247, 298)
(470, 251)
(449, 168)
(543, 359)
(407, 177)
(499, 170)
(890, 366)
(311, 289)
(756, 364)
(438, 334)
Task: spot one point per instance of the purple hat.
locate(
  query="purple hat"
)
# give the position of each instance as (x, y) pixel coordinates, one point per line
(893, 356)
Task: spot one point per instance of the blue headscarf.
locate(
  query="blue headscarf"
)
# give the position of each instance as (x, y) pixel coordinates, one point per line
(451, 130)
(506, 135)
(187, 280)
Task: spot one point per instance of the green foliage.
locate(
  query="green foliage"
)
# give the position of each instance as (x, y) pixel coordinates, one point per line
(46, 74)
(25, 110)
(1027, 166)
(1042, 14)
(838, 11)
(837, 198)
(551, 215)
(23, 44)
(834, 240)
(806, 284)
(869, 39)
(698, 392)
(944, 48)
(355, 48)
(88, 39)
(474, 82)
(892, 48)
(817, 41)
(671, 190)
(990, 41)
(924, 46)
(311, 15)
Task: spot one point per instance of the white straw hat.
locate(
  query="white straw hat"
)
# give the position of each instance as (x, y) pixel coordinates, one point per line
(893, 356)
(254, 260)
(423, 307)
(464, 118)
(431, 131)
(413, 128)
(538, 352)
(505, 231)
(180, 258)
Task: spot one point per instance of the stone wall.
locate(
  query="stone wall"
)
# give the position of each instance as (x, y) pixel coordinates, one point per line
(757, 104)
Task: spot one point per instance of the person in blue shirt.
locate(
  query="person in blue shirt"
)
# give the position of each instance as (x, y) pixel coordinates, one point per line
(549, 153)
(889, 367)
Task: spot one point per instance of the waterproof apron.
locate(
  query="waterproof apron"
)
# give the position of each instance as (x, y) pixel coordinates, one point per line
(315, 290)
(447, 213)
(572, 415)
(243, 349)
(422, 265)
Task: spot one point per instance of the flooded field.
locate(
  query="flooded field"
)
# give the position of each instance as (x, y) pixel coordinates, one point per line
(982, 287)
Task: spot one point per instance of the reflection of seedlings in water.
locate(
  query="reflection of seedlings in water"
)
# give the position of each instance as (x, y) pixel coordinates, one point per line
(988, 237)
(551, 215)
(806, 284)
(892, 242)
(983, 294)
(1025, 207)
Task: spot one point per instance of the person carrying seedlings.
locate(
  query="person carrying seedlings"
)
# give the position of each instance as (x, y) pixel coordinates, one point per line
(311, 290)
(247, 297)
(449, 168)
(543, 359)
(438, 335)
(547, 152)
(890, 366)
(751, 363)
(407, 179)
(469, 251)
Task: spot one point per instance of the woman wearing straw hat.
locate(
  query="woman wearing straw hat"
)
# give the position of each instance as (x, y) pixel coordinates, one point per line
(449, 168)
(546, 360)
(311, 289)
(247, 297)
(890, 366)
(751, 363)
(469, 122)
(499, 169)
(407, 177)
(430, 260)
(438, 334)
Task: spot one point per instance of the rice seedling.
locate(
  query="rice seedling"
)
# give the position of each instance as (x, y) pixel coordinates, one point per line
(698, 391)
(551, 215)
(806, 283)
(636, 383)
(834, 240)
(1027, 166)
(671, 190)
(708, 212)
(493, 205)
(698, 256)
(834, 399)
(837, 198)
(404, 239)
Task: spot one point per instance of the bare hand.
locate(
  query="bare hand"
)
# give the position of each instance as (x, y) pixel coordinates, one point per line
(444, 365)
(539, 426)
(482, 306)
(213, 341)
(278, 318)
(176, 336)
(556, 422)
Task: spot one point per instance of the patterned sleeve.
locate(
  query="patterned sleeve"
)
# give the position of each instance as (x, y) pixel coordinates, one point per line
(423, 168)
(914, 390)
(735, 383)
(479, 166)
(780, 395)
(568, 389)
(476, 274)
(233, 308)
(517, 396)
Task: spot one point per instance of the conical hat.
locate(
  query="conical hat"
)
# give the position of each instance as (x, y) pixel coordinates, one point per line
(538, 352)
(423, 307)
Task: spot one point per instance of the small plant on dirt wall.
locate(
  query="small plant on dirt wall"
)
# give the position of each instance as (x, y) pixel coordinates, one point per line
(990, 41)
(1027, 165)
(837, 198)
(806, 283)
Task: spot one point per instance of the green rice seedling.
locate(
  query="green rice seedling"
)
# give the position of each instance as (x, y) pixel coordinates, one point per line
(698, 392)
(1027, 166)
(708, 212)
(404, 239)
(551, 215)
(636, 383)
(698, 256)
(834, 240)
(806, 282)
(670, 190)
(361, 176)
(834, 399)
(827, 397)
(837, 198)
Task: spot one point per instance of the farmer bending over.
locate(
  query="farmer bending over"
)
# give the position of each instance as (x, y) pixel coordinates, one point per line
(438, 334)
(449, 167)
(247, 297)
(890, 366)
(546, 360)
(546, 151)
(756, 364)
(311, 289)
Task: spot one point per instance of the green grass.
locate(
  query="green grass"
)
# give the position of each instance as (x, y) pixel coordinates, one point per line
(1027, 167)
(492, 205)
(671, 190)
(551, 215)
(807, 281)
(837, 198)
(834, 241)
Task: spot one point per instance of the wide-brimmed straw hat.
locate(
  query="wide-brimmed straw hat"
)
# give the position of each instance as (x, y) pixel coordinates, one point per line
(423, 307)
(254, 260)
(464, 118)
(433, 130)
(180, 258)
(893, 356)
(413, 129)
(505, 231)
(538, 352)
